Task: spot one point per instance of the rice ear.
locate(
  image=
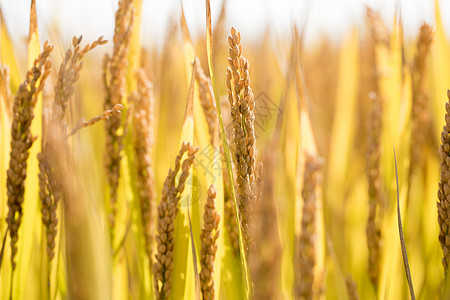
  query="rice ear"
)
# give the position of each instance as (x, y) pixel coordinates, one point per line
(21, 142)
(167, 212)
(242, 102)
(209, 235)
(305, 287)
(115, 84)
(444, 189)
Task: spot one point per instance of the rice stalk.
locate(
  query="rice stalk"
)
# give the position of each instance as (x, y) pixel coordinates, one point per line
(229, 215)
(83, 257)
(115, 110)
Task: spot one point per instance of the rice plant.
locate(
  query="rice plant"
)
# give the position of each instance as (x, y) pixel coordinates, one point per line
(225, 167)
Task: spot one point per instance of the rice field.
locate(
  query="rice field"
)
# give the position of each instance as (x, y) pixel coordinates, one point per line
(225, 167)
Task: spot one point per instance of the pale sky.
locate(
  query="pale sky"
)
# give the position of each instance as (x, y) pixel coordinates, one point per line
(93, 18)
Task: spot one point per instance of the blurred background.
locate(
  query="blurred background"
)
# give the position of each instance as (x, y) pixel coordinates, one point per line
(96, 17)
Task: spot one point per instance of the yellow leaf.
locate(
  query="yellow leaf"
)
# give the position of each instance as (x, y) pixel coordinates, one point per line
(7, 56)
(183, 277)
(345, 115)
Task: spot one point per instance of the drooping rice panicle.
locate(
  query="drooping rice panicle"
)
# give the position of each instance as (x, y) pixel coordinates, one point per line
(22, 140)
(68, 75)
(116, 109)
(373, 152)
(167, 212)
(115, 68)
(209, 235)
(143, 123)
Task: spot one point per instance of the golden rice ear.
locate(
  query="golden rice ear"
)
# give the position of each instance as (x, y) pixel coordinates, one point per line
(115, 68)
(242, 101)
(351, 288)
(379, 35)
(305, 287)
(209, 235)
(21, 142)
(167, 212)
(444, 189)
(376, 194)
(421, 110)
(115, 110)
(265, 251)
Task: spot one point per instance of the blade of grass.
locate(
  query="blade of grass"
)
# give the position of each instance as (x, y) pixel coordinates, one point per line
(395, 92)
(402, 237)
(3, 247)
(245, 273)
